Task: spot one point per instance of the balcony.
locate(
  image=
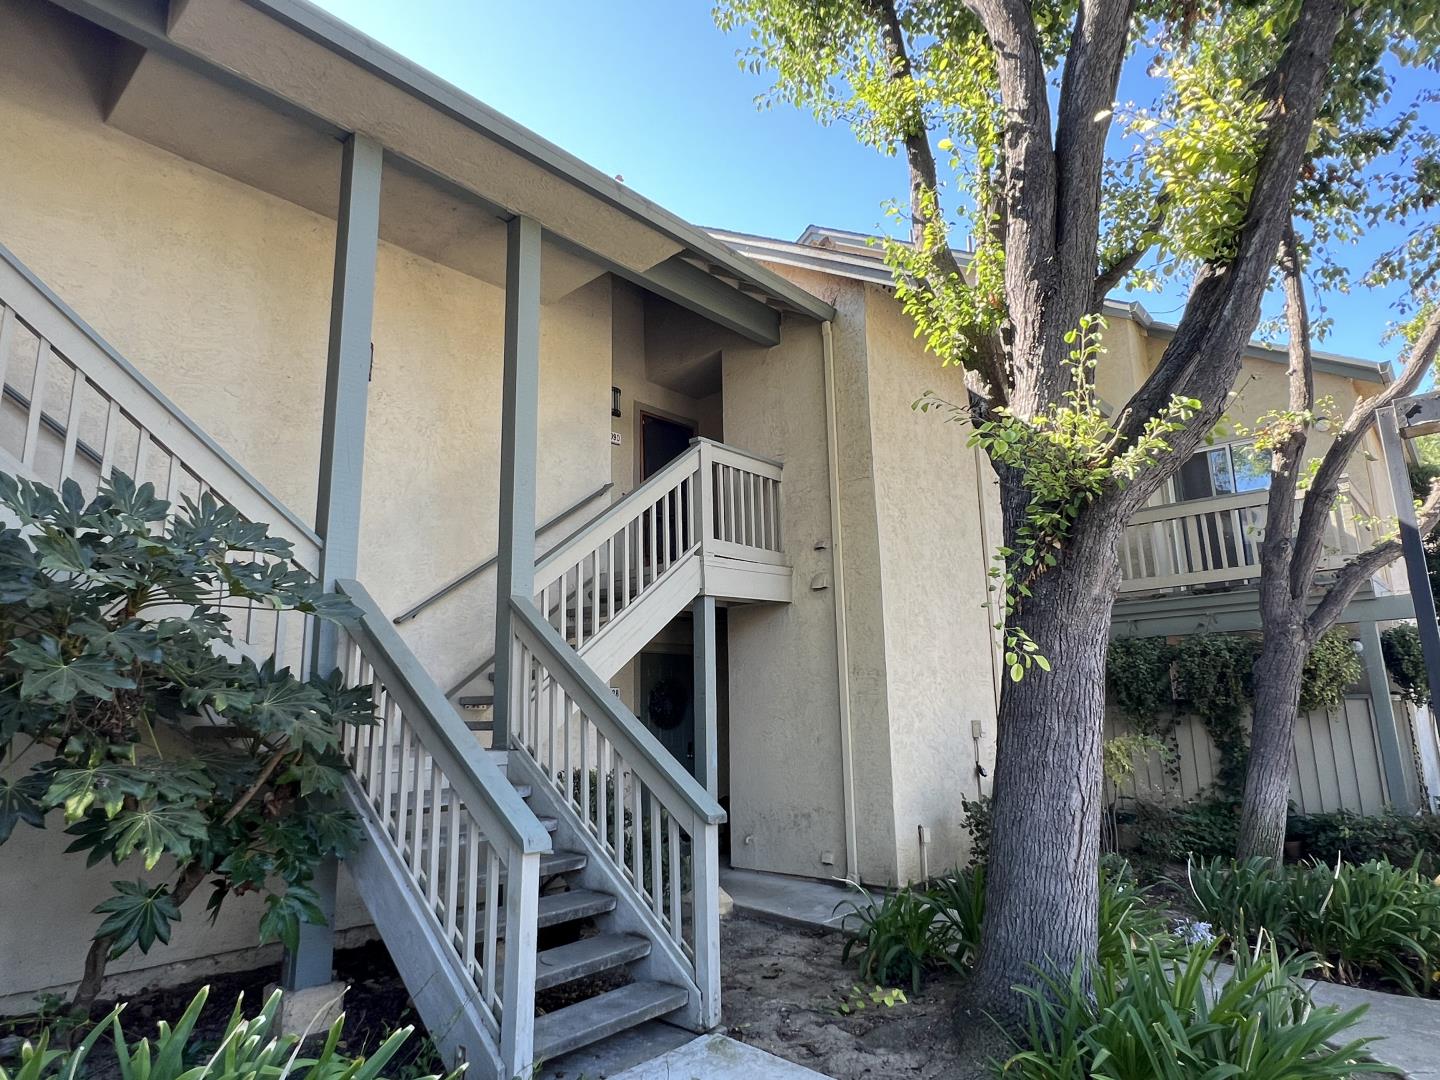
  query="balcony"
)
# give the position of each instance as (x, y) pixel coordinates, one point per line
(1215, 543)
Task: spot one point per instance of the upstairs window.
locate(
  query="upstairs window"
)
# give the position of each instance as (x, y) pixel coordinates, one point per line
(1217, 471)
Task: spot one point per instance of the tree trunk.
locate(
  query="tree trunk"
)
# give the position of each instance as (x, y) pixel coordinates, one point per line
(97, 958)
(1278, 674)
(1042, 876)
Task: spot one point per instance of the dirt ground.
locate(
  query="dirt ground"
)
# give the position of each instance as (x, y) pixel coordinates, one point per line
(782, 989)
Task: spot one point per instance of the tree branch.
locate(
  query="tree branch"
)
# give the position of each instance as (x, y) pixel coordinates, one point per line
(1325, 487)
(1362, 567)
(1120, 269)
(1029, 192)
(987, 360)
(1087, 103)
(1204, 356)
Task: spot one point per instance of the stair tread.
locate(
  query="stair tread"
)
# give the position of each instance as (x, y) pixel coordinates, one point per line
(588, 956)
(601, 1016)
(557, 908)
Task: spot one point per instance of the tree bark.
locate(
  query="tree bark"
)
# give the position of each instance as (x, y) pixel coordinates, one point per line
(97, 958)
(1045, 845)
(1278, 675)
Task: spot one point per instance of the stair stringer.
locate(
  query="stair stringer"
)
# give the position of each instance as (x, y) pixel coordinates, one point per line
(665, 963)
(443, 996)
(634, 627)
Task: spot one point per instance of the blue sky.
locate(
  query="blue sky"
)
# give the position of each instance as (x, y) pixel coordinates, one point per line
(650, 90)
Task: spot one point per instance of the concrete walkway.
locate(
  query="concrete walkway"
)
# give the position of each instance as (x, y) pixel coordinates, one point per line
(717, 1057)
(780, 898)
(1408, 1028)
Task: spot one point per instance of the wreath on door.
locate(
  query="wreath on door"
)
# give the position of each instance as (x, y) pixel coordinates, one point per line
(666, 705)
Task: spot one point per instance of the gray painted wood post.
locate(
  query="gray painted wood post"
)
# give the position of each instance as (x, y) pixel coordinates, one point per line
(1399, 780)
(1413, 544)
(707, 723)
(342, 463)
(706, 861)
(519, 445)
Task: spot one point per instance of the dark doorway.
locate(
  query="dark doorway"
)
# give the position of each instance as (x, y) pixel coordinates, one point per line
(662, 440)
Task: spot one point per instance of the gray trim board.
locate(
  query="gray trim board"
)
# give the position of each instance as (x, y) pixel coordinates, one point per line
(1232, 612)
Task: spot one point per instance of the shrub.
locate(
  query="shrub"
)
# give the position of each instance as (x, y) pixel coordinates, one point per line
(1152, 1018)
(1405, 660)
(977, 827)
(899, 937)
(1172, 834)
(1403, 839)
(155, 741)
(1368, 922)
(248, 1048)
(912, 931)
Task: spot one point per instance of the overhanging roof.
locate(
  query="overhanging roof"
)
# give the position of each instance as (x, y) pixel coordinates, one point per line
(850, 255)
(181, 31)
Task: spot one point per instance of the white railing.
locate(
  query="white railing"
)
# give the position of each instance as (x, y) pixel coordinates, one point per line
(459, 833)
(638, 810)
(73, 408)
(587, 580)
(1206, 541)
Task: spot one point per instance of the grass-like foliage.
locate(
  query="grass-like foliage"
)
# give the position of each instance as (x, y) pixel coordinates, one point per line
(144, 724)
(1149, 1017)
(249, 1049)
(1368, 923)
(901, 936)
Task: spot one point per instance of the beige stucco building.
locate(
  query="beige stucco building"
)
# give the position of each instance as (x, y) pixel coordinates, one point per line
(172, 191)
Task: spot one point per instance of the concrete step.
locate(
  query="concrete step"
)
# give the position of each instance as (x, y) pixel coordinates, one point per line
(601, 1016)
(588, 956)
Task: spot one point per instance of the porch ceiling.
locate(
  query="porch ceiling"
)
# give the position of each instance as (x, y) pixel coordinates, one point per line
(256, 89)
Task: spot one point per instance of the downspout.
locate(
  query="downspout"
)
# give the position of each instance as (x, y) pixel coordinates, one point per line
(842, 642)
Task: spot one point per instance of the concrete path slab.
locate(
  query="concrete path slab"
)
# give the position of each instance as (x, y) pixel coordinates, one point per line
(802, 901)
(1407, 1027)
(718, 1057)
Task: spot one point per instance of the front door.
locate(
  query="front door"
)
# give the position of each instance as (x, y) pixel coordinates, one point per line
(667, 703)
(662, 440)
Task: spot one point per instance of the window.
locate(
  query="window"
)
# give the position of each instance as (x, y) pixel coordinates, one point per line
(1232, 469)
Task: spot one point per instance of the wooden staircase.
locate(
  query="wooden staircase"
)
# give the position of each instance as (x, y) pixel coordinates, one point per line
(575, 851)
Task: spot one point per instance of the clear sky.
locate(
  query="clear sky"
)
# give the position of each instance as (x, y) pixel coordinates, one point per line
(650, 91)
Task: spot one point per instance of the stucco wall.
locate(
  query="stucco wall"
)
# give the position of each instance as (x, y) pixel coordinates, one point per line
(934, 554)
(220, 294)
(786, 802)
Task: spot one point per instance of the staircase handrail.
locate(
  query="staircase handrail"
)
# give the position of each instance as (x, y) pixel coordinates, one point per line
(479, 568)
(65, 332)
(656, 766)
(480, 783)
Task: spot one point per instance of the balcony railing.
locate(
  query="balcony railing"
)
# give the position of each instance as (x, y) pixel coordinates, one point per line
(1217, 541)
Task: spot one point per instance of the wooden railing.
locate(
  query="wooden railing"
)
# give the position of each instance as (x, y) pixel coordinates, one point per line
(75, 409)
(650, 822)
(455, 830)
(1208, 541)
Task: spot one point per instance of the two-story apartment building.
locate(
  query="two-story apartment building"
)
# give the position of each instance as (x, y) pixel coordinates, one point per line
(625, 503)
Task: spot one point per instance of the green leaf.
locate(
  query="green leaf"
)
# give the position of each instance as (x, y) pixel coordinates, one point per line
(285, 912)
(138, 914)
(49, 675)
(156, 831)
(104, 782)
(20, 801)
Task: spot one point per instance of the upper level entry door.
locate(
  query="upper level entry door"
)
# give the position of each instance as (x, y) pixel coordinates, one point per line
(662, 440)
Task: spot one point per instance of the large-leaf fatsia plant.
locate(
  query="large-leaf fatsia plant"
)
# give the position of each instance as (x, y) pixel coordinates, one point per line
(129, 709)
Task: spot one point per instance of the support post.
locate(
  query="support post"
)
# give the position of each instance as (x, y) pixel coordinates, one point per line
(1399, 780)
(519, 444)
(707, 716)
(342, 465)
(1413, 545)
